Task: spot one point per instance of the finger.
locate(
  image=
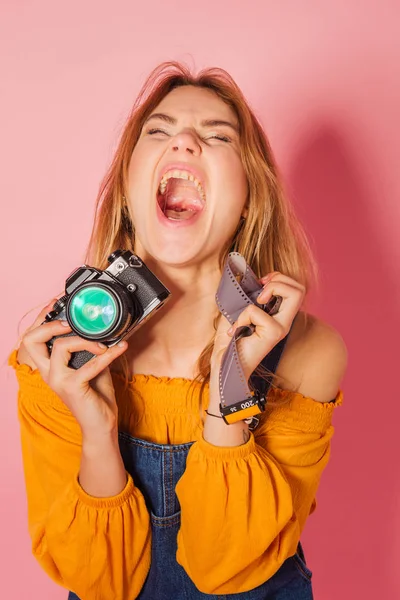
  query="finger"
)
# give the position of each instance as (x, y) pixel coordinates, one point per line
(96, 365)
(253, 315)
(44, 332)
(35, 341)
(279, 288)
(264, 327)
(268, 276)
(64, 347)
(277, 276)
(292, 300)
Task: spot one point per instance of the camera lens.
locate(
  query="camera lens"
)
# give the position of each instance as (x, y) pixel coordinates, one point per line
(93, 310)
(102, 310)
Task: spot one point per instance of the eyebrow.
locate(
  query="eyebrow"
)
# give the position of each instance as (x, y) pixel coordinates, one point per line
(206, 123)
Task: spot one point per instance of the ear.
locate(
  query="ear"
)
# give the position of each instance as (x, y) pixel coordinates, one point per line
(245, 212)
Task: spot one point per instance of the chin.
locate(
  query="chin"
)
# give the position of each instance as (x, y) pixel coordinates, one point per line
(173, 254)
(179, 248)
(176, 257)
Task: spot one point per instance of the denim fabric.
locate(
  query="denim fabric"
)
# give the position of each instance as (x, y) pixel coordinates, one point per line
(156, 469)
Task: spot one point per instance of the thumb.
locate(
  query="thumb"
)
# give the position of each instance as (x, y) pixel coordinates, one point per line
(223, 326)
(103, 385)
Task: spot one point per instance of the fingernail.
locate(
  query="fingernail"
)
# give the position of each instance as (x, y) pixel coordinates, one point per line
(101, 345)
(262, 297)
(231, 330)
(121, 344)
(64, 323)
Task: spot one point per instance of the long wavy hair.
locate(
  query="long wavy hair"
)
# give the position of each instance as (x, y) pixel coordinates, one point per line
(270, 238)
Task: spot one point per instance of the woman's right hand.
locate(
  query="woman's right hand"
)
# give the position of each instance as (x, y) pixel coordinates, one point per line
(88, 392)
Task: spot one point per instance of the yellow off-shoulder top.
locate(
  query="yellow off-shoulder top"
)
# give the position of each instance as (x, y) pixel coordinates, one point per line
(253, 500)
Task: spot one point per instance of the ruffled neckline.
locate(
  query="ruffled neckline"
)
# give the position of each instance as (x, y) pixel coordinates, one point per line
(296, 399)
(140, 378)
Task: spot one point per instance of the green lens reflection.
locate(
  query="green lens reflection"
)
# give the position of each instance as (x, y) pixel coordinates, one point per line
(93, 310)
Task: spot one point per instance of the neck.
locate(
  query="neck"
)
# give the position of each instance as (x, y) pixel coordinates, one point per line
(171, 342)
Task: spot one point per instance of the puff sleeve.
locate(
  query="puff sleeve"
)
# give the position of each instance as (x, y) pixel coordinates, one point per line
(96, 547)
(254, 498)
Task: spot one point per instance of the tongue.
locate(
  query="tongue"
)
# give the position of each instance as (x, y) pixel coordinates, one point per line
(181, 199)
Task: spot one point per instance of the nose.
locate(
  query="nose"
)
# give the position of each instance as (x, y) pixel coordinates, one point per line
(186, 141)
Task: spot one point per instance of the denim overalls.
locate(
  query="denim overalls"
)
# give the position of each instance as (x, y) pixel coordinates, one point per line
(156, 469)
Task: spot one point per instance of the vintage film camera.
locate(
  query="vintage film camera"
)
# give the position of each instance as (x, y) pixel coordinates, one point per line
(107, 306)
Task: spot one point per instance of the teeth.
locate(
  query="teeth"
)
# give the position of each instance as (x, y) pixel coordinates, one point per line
(181, 175)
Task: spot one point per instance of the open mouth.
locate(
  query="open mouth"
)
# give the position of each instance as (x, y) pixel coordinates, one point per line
(180, 195)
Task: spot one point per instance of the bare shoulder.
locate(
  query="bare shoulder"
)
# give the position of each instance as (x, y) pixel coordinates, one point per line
(315, 359)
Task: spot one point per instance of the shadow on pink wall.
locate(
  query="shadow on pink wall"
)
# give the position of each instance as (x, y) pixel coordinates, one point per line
(349, 540)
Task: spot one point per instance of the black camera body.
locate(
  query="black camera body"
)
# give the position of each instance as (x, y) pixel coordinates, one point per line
(108, 306)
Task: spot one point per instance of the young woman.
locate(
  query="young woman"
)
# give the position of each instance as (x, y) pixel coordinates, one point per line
(135, 490)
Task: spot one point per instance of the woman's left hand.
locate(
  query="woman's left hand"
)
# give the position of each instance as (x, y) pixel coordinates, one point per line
(269, 330)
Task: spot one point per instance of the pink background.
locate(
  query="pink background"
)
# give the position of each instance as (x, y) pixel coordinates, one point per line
(324, 79)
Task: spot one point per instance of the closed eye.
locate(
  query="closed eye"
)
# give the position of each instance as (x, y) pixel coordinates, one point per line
(222, 138)
(156, 130)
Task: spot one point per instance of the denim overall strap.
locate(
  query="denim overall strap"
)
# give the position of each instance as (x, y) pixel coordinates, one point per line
(270, 363)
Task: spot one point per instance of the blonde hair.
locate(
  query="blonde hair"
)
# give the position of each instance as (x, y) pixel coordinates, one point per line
(270, 238)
